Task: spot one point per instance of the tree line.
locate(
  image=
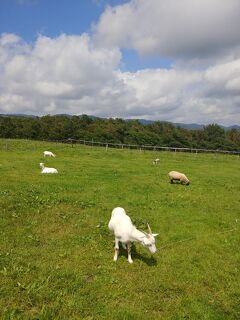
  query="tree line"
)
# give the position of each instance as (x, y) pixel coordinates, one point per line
(159, 133)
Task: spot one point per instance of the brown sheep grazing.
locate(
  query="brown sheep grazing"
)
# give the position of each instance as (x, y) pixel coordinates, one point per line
(174, 175)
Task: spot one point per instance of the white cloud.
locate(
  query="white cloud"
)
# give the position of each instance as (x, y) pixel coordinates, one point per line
(8, 39)
(225, 77)
(69, 74)
(66, 68)
(179, 95)
(172, 28)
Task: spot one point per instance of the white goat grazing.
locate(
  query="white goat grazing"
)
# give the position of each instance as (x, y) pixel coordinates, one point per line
(125, 232)
(156, 161)
(48, 154)
(46, 169)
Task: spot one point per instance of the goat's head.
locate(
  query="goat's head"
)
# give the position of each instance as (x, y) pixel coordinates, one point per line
(148, 240)
(41, 164)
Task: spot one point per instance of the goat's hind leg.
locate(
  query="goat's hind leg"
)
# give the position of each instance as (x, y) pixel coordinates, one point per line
(116, 249)
(129, 252)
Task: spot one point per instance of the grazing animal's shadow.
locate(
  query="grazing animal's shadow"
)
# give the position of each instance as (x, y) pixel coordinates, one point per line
(178, 183)
(150, 261)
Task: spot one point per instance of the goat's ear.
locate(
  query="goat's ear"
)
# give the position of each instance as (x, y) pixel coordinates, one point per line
(154, 234)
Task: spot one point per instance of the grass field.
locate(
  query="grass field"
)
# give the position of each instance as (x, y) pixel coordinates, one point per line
(56, 250)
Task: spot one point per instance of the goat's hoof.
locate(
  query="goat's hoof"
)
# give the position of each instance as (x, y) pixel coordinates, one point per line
(130, 261)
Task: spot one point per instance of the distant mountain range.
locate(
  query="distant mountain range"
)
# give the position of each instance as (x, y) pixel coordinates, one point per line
(17, 115)
(190, 126)
(196, 126)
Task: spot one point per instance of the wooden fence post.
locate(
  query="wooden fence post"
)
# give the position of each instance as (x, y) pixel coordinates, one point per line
(143, 147)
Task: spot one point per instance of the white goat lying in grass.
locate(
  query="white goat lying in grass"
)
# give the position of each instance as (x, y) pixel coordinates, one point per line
(46, 169)
(48, 154)
(125, 232)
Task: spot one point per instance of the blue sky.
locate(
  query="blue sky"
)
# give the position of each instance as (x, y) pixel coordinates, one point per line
(29, 18)
(158, 59)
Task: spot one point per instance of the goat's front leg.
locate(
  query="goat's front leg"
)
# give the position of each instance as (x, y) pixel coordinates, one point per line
(116, 249)
(129, 252)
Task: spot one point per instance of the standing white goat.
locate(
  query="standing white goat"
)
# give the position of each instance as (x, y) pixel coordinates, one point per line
(46, 169)
(48, 154)
(125, 232)
(156, 161)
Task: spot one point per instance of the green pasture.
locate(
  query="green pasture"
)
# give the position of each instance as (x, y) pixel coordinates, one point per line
(56, 252)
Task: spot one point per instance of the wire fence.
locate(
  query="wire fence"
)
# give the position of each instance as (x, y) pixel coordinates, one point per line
(144, 147)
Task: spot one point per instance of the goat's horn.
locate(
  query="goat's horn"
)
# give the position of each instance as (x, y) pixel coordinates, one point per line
(149, 229)
(146, 234)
